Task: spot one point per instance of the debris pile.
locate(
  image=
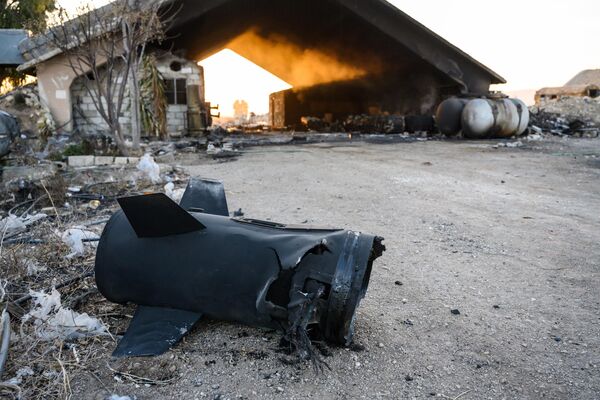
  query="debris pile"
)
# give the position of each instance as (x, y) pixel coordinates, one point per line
(562, 125)
(573, 108)
(370, 124)
(34, 117)
(374, 124)
(567, 116)
(50, 222)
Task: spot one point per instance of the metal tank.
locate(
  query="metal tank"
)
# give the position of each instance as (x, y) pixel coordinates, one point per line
(449, 114)
(523, 111)
(494, 118)
(477, 119)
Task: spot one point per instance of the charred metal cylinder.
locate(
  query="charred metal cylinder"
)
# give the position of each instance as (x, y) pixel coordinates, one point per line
(449, 114)
(161, 256)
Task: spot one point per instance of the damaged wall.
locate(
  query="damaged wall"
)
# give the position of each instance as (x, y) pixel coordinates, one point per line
(87, 119)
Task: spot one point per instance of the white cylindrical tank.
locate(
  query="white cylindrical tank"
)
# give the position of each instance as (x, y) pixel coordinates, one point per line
(523, 116)
(506, 118)
(449, 114)
(477, 119)
(494, 118)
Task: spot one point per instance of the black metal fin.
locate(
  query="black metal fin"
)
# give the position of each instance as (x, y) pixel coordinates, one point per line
(156, 215)
(205, 195)
(153, 330)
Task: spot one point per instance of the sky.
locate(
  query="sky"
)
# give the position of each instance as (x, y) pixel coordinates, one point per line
(531, 43)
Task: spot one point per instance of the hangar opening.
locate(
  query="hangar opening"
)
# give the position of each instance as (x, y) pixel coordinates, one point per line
(339, 57)
(239, 88)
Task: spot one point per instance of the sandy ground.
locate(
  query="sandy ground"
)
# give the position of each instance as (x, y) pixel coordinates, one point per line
(510, 237)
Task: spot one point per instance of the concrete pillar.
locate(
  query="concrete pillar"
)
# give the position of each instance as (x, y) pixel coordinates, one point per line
(197, 105)
(194, 108)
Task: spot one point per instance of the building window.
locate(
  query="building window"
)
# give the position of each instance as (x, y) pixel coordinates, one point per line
(176, 92)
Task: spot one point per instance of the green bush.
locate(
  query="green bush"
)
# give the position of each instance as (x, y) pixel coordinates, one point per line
(81, 149)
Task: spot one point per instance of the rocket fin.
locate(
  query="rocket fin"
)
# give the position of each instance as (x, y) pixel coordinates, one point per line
(154, 330)
(156, 215)
(207, 195)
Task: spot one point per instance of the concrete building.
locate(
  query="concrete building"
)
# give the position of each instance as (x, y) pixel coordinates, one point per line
(181, 76)
(584, 84)
(240, 110)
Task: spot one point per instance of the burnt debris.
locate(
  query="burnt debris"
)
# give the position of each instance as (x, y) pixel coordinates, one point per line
(564, 125)
(179, 262)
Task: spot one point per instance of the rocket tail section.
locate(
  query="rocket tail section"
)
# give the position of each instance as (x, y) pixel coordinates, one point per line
(205, 195)
(153, 330)
(156, 215)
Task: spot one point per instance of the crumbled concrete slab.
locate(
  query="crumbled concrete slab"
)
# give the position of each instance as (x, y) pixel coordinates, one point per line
(104, 160)
(121, 160)
(81, 161)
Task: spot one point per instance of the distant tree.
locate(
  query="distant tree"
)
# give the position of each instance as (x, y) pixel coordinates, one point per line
(23, 14)
(105, 48)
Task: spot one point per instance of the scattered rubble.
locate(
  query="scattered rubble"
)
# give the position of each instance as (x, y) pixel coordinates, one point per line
(51, 217)
(576, 124)
(573, 108)
(34, 117)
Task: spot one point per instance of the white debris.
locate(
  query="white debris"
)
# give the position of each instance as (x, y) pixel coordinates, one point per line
(74, 239)
(534, 137)
(149, 168)
(53, 321)
(117, 397)
(21, 373)
(514, 144)
(12, 223)
(174, 194)
(33, 267)
(510, 145)
(211, 149)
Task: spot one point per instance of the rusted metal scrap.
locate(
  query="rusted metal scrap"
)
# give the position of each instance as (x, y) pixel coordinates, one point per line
(179, 262)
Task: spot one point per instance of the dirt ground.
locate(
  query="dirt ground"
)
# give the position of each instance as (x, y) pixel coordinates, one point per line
(507, 236)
